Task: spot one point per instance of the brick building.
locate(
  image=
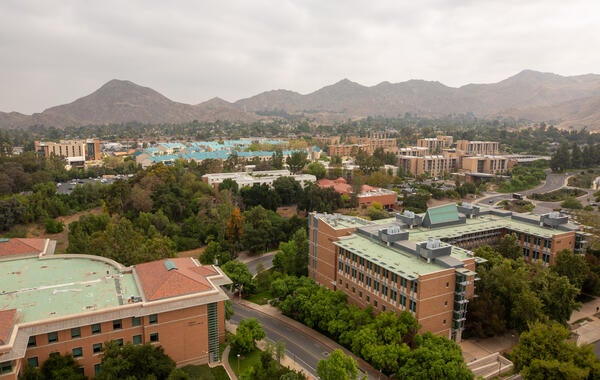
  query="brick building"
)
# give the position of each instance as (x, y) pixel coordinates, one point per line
(423, 263)
(72, 304)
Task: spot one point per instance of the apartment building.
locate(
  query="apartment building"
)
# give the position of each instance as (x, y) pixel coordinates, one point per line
(73, 304)
(468, 147)
(487, 164)
(435, 144)
(432, 165)
(423, 263)
(75, 151)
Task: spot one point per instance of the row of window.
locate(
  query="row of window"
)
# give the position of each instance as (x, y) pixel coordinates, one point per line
(547, 243)
(77, 352)
(96, 329)
(536, 255)
(354, 273)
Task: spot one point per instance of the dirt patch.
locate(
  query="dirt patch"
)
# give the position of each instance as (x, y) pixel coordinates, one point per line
(192, 252)
(287, 211)
(62, 239)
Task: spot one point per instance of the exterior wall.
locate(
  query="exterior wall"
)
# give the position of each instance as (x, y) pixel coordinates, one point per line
(435, 302)
(182, 333)
(478, 147)
(90, 149)
(321, 256)
(433, 165)
(386, 200)
(486, 164)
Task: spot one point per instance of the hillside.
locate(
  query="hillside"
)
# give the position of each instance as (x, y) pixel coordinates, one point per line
(535, 96)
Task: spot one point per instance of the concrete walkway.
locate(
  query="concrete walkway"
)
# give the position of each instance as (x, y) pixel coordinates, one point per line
(475, 349)
(586, 322)
(225, 362)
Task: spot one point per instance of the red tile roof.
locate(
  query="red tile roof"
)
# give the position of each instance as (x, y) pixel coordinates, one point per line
(7, 320)
(158, 282)
(18, 246)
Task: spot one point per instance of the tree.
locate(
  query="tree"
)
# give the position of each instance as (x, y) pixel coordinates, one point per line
(571, 203)
(576, 157)
(277, 160)
(561, 159)
(61, 367)
(234, 230)
(296, 161)
(545, 352)
(509, 247)
(240, 275)
(214, 254)
(260, 195)
(257, 230)
(435, 357)
(572, 266)
(134, 362)
(338, 366)
(288, 189)
(317, 169)
(246, 335)
(229, 184)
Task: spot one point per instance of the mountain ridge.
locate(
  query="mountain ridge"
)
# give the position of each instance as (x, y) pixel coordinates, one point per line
(529, 94)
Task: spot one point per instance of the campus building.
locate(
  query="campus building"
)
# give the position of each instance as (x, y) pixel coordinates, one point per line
(72, 304)
(76, 152)
(423, 263)
(478, 147)
(366, 197)
(257, 177)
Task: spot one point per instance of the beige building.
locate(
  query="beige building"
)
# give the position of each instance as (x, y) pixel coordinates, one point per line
(435, 144)
(72, 304)
(72, 150)
(487, 164)
(477, 147)
(432, 165)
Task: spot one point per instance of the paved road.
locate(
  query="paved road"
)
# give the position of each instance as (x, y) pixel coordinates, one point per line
(301, 348)
(304, 345)
(266, 260)
(553, 182)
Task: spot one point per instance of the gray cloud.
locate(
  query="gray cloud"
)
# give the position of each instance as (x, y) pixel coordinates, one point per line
(54, 52)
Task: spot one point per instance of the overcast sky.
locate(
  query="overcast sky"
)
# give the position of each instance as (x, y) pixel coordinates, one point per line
(52, 52)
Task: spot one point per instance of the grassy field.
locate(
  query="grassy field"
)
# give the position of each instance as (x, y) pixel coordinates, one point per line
(246, 361)
(204, 372)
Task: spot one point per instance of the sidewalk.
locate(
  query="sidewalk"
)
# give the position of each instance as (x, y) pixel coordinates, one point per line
(474, 349)
(225, 362)
(588, 327)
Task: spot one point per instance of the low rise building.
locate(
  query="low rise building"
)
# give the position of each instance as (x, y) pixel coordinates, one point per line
(258, 177)
(73, 150)
(72, 304)
(366, 197)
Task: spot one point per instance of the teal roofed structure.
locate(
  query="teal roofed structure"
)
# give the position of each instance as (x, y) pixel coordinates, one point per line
(443, 216)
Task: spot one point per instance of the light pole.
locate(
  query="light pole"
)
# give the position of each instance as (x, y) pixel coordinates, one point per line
(499, 365)
(238, 355)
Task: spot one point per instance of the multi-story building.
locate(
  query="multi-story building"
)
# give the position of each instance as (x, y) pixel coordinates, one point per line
(435, 144)
(423, 263)
(468, 147)
(258, 177)
(72, 304)
(432, 165)
(487, 164)
(75, 151)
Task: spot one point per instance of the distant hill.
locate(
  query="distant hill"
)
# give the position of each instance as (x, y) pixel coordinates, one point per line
(532, 95)
(120, 101)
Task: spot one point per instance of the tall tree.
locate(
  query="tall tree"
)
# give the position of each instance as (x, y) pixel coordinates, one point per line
(296, 161)
(134, 362)
(338, 366)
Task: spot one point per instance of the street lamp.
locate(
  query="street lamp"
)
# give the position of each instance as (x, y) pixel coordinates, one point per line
(499, 364)
(238, 355)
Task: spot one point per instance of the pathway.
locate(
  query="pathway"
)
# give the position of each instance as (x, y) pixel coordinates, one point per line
(225, 362)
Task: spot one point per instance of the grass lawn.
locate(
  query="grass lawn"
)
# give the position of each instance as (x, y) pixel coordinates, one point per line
(246, 361)
(260, 298)
(204, 372)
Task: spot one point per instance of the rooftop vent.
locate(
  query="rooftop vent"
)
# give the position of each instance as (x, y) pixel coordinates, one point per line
(3, 240)
(169, 265)
(433, 243)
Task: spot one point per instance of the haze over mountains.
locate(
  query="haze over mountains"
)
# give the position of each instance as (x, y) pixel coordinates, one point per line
(565, 101)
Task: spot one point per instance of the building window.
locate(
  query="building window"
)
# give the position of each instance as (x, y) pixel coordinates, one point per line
(31, 342)
(77, 352)
(375, 303)
(368, 298)
(53, 337)
(119, 341)
(33, 362)
(97, 369)
(393, 295)
(383, 307)
(447, 284)
(413, 306)
(154, 337)
(75, 332)
(137, 339)
(96, 328)
(5, 367)
(444, 321)
(413, 287)
(136, 321)
(97, 348)
(117, 325)
(153, 318)
(376, 285)
(403, 282)
(360, 294)
(445, 303)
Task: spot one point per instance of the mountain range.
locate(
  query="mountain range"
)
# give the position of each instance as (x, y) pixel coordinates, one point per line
(535, 96)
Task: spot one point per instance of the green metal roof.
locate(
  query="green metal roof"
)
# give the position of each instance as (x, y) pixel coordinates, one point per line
(442, 214)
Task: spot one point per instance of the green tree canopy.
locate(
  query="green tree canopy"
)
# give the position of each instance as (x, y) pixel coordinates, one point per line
(246, 335)
(338, 366)
(134, 362)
